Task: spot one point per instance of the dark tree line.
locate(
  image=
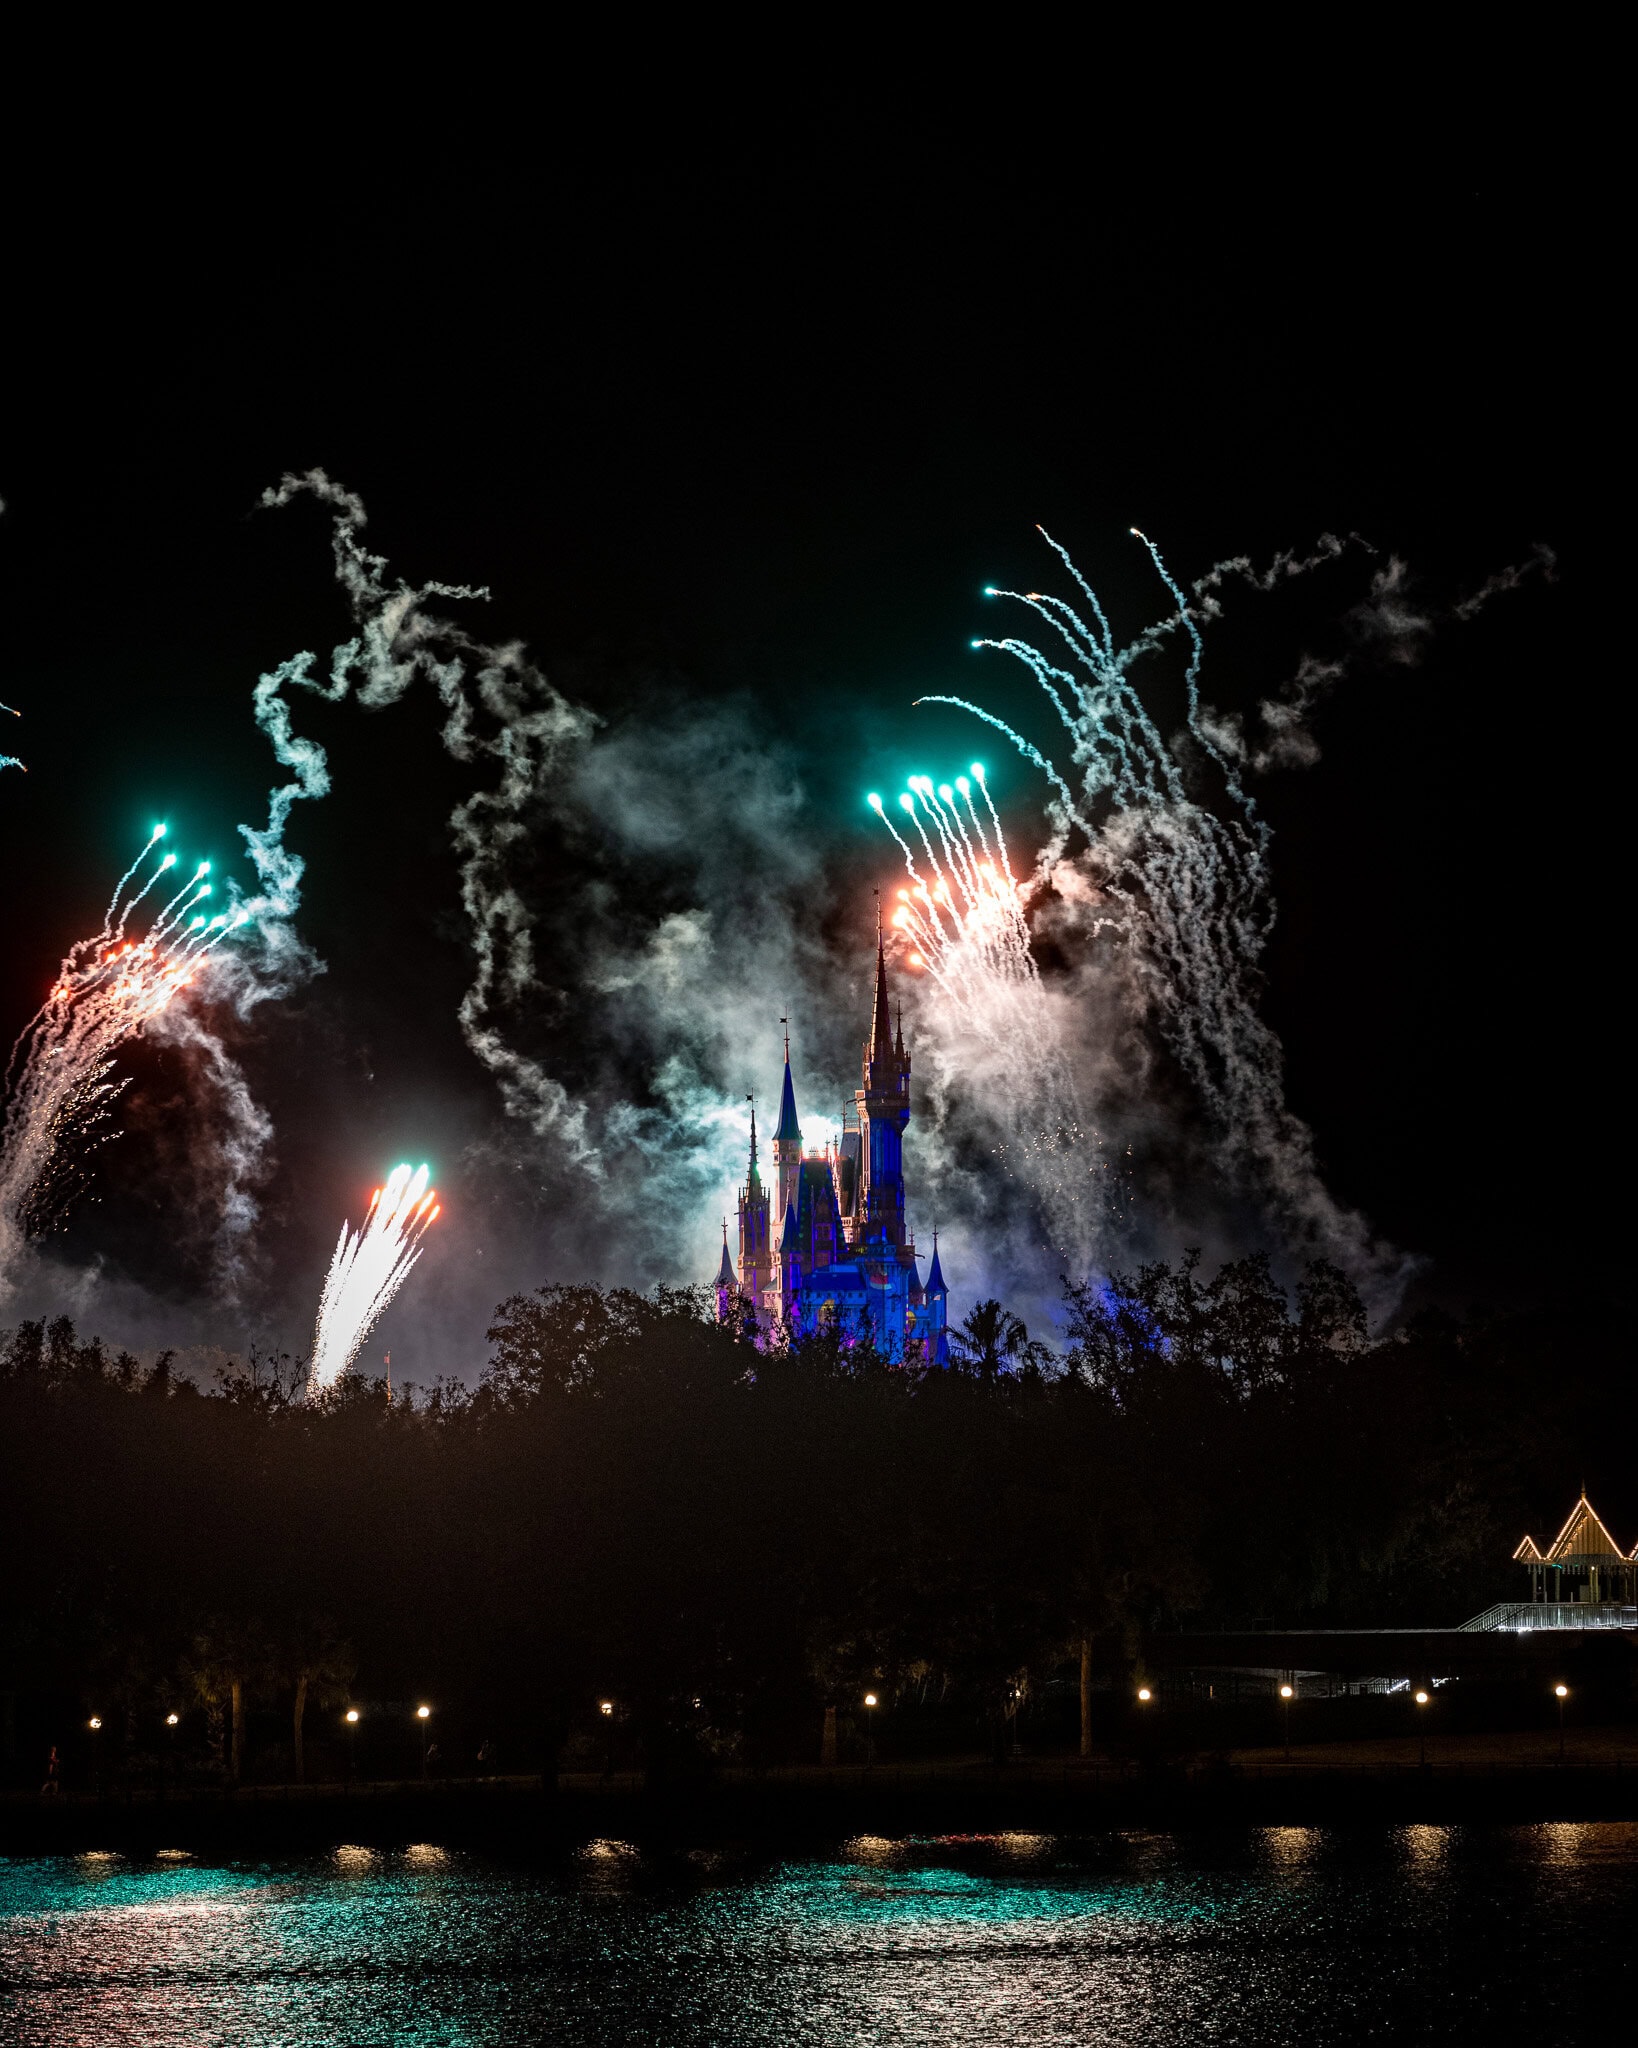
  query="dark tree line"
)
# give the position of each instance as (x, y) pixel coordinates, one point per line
(639, 1505)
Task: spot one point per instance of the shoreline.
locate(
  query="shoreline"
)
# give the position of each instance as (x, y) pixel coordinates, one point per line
(818, 1804)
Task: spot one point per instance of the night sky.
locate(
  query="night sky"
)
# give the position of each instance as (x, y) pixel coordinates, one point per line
(736, 437)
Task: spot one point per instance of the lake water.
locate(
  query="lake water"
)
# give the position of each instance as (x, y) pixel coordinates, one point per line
(1270, 1935)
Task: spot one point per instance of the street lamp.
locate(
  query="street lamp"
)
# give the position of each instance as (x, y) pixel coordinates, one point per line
(1421, 1730)
(870, 1729)
(172, 1723)
(423, 1715)
(606, 1709)
(1561, 1693)
(351, 1719)
(1285, 1709)
(95, 1725)
(1144, 1693)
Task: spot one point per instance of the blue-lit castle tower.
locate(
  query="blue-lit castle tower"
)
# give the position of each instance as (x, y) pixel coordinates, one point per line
(826, 1245)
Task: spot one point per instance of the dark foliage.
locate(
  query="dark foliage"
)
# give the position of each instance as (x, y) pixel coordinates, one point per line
(637, 1504)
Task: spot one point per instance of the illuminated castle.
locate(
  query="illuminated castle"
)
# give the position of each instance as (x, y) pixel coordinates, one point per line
(826, 1246)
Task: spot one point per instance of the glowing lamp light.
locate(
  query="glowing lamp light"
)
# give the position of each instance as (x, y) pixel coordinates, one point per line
(1285, 1692)
(605, 1706)
(1561, 1692)
(423, 1713)
(870, 1699)
(1421, 1699)
(1144, 1693)
(171, 1720)
(352, 1715)
(95, 1722)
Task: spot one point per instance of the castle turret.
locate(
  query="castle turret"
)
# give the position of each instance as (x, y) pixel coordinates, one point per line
(884, 1110)
(787, 1147)
(755, 1254)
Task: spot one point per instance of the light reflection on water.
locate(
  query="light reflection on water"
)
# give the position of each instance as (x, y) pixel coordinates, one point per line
(1395, 1934)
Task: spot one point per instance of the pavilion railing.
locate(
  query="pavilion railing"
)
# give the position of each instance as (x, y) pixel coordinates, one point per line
(1530, 1614)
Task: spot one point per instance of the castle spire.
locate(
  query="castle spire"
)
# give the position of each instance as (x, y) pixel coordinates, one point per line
(725, 1272)
(881, 1028)
(789, 1128)
(753, 1179)
(935, 1272)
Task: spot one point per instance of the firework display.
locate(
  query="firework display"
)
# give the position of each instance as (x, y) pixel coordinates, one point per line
(60, 1080)
(369, 1267)
(964, 917)
(1177, 865)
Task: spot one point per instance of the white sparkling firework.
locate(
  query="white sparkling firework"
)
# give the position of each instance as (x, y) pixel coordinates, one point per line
(962, 921)
(109, 986)
(963, 918)
(1175, 852)
(369, 1267)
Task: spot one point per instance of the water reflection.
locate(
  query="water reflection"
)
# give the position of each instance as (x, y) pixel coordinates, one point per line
(1010, 1938)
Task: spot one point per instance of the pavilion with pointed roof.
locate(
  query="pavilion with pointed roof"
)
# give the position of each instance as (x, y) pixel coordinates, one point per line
(1582, 1565)
(827, 1245)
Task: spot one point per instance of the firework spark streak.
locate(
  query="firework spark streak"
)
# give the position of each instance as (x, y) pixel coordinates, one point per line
(369, 1267)
(1182, 875)
(111, 985)
(964, 917)
(962, 920)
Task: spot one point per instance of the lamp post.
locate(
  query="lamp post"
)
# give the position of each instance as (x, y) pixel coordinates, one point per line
(870, 1729)
(1285, 1710)
(95, 1725)
(172, 1723)
(606, 1709)
(351, 1719)
(423, 1715)
(1421, 1730)
(1561, 1693)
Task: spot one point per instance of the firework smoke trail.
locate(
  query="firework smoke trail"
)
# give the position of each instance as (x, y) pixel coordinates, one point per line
(109, 988)
(498, 707)
(369, 1267)
(1184, 880)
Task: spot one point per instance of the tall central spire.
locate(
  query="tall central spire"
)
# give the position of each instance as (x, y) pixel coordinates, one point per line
(789, 1128)
(881, 1023)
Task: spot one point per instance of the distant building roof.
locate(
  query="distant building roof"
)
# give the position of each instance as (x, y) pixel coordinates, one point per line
(1583, 1540)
